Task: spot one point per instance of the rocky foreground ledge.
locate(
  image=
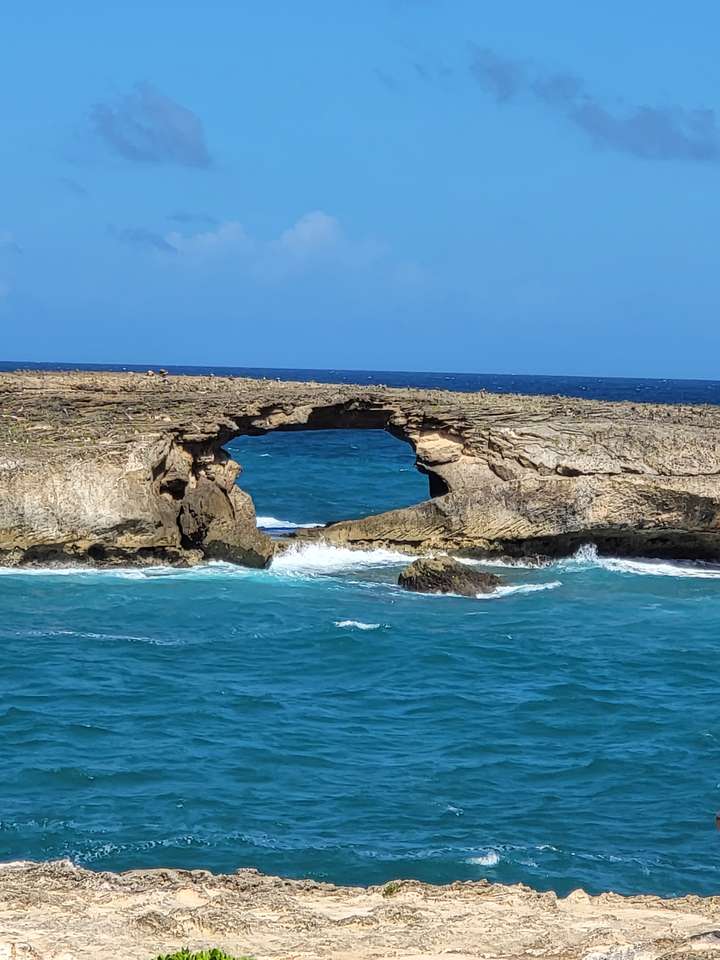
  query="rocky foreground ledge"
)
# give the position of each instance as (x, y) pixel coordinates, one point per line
(129, 468)
(56, 911)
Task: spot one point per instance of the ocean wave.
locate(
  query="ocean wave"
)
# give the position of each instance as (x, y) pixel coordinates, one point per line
(213, 568)
(311, 559)
(505, 590)
(513, 588)
(507, 562)
(489, 859)
(122, 637)
(272, 523)
(587, 557)
(356, 625)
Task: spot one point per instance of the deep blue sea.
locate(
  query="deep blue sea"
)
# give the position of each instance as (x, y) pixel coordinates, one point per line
(314, 720)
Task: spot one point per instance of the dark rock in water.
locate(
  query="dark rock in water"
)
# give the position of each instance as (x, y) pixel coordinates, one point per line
(445, 575)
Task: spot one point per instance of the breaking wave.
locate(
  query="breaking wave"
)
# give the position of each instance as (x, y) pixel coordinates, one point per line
(318, 558)
(356, 625)
(512, 588)
(489, 859)
(272, 523)
(587, 557)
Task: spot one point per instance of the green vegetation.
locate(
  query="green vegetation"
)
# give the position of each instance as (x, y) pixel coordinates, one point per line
(213, 954)
(390, 889)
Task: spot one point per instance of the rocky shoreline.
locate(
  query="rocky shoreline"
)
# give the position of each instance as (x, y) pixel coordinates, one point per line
(110, 468)
(57, 911)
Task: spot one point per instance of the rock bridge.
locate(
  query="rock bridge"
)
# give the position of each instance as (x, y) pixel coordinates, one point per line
(131, 468)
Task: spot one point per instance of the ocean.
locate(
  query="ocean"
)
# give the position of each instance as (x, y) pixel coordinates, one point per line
(314, 720)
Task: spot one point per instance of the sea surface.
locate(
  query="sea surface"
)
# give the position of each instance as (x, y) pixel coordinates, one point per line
(314, 720)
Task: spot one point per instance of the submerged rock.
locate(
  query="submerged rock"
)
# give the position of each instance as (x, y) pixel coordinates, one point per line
(445, 575)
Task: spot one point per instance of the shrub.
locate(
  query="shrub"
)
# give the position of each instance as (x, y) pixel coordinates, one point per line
(213, 954)
(390, 889)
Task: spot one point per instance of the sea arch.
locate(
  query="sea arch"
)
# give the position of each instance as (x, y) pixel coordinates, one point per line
(217, 517)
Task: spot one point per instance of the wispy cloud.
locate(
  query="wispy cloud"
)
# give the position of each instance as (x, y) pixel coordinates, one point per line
(229, 236)
(314, 234)
(315, 242)
(73, 187)
(142, 238)
(663, 132)
(9, 246)
(145, 126)
(386, 79)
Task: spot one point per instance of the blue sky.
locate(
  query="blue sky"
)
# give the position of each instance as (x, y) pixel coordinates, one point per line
(511, 187)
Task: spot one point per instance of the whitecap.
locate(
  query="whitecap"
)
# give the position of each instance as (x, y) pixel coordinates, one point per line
(489, 859)
(311, 559)
(512, 588)
(356, 625)
(272, 523)
(213, 568)
(507, 562)
(587, 557)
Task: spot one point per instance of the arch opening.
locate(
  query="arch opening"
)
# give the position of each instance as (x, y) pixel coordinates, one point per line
(300, 477)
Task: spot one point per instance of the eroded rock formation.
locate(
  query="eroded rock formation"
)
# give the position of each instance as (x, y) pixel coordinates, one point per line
(119, 468)
(55, 911)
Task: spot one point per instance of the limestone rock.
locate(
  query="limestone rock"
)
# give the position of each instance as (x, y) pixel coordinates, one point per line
(445, 575)
(125, 468)
(57, 911)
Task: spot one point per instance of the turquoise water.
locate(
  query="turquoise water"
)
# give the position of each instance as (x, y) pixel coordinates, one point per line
(313, 719)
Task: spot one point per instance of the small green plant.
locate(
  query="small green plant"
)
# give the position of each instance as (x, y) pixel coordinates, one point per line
(213, 954)
(390, 889)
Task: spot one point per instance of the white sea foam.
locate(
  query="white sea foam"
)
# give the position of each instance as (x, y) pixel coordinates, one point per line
(508, 563)
(356, 625)
(272, 523)
(310, 559)
(214, 568)
(587, 556)
(124, 573)
(512, 588)
(489, 859)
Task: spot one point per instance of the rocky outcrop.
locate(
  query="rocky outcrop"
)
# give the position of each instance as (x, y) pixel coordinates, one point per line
(445, 575)
(118, 468)
(56, 911)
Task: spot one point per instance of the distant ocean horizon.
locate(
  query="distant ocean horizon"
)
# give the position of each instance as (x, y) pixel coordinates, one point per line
(634, 389)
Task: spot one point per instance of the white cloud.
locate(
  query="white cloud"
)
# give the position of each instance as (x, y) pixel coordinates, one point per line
(227, 237)
(314, 243)
(314, 233)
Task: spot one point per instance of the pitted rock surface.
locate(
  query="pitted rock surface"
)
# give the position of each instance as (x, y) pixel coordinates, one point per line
(57, 911)
(119, 468)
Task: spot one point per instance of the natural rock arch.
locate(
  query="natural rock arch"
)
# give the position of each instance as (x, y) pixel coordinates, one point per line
(117, 468)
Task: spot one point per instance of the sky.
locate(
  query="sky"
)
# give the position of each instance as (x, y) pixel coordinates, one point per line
(454, 185)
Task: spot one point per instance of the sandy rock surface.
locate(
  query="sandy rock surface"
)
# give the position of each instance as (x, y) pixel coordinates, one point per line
(56, 911)
(127, 468)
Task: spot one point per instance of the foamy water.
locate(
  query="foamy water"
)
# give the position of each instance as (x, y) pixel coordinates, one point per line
(272, 523)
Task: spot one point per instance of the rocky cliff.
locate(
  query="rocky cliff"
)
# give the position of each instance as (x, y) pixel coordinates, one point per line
(55, 911)
(118, 468)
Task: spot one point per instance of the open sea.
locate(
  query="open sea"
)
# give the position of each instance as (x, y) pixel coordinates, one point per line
(314, 720)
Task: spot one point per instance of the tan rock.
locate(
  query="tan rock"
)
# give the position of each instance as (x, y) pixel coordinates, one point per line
(117, 468)
(56, 911)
